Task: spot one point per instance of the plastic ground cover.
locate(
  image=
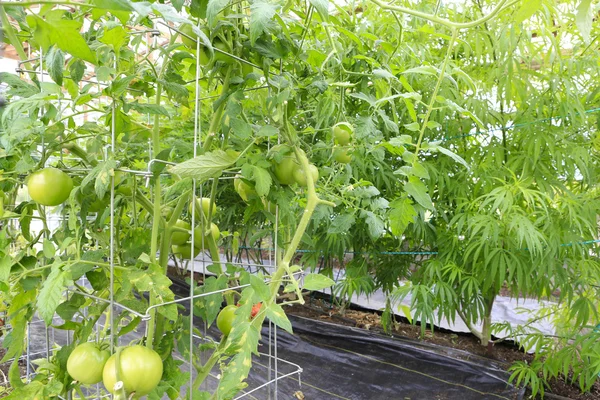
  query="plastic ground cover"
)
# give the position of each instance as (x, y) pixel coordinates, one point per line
(341, 362)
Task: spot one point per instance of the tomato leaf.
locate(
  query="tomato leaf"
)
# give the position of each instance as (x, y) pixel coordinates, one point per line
(276, 314)
(418, 191)
(262, 179)
(317, 282)
(55, 62)
(402, 214)
(213, 8)
(528, 8)
(144, 108)
(49, 249)
(261, 18)
(18, 87)
(63, 33)
(260, 287)
(206, 166)
(103, 179)
(322, 7)
(50, 295)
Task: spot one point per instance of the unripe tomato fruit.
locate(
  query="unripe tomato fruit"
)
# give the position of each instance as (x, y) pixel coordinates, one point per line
(342, 133)
(178, 238)
(49, 186)
(204, 205)
(300, 176)
(225, 319)
(141, 370)
(86, 363)
(341, 155)
(243, 189)
(284, 171)
(192, 43)
(184, 251)
(214, 230)
(218, 44)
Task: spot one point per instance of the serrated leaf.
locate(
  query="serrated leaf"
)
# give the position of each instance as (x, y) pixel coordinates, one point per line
(276, 314)
(50, 295)
(116, 37)
(375, 225)
(260, 287)
(454, 156)
(55, 62)
(263, 181)
(206, 166)
(418, 191)
(261, 18)
(413, 127)
(144, 108)
(382, 73)
(341, 224)
(18, 87)
(317, 282)
(267, 130)
(402, 214)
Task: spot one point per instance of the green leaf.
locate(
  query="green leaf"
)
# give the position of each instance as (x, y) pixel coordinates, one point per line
(18, 87)
(261, 18)
(102, 182)
(418, 191)
(263, 180)
(116, 37)
(55, 62)
(317, 282)
(206, 166)
(176, 91)
(424, 69)
(267, 130)
(49, 249)
(63, 33)
(260, 287)
(6, 263)
(402, 214)
(119, 86)
(584, 18)
(213, 9)
(153, 109)
(413, 127)
(50, 295)
(454, 156)
(322, 7)
(341, 224)
(528, 8)
(276, 314)
(375, 224)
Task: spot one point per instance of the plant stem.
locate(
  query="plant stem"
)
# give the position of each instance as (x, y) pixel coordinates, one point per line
(434, 94)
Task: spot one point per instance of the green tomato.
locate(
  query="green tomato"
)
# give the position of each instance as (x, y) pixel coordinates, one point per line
(243, 189)
(204, 205)
(342, 133)
(284, 171)
(225, 319)
(140, 370)
(184, 251)
(178, 238)
(214, 231)
(300, 175)
(341, 155)
(86, 363)
(49, 186)
(218, 44)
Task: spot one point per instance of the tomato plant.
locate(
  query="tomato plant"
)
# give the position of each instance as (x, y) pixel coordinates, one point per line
(49, 186)
(450, 137)
(140, 370)
(86, 363)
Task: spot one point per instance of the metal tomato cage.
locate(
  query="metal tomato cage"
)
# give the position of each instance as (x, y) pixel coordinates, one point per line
(43, 340)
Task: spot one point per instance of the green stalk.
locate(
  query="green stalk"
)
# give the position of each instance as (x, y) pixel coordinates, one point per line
(438, 84)
(216, 119)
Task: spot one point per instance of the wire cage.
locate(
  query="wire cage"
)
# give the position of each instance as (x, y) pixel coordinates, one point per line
(43, 340)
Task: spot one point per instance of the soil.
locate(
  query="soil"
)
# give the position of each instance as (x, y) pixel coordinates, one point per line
(503, 353)
(4, 373)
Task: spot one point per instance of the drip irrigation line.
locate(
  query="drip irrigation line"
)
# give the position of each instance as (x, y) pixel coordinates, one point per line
(592, 110)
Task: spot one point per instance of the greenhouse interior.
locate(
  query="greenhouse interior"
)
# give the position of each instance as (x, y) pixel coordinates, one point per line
(300, 199)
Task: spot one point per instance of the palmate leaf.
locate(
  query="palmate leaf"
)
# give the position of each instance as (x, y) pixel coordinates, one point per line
(206, 166)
